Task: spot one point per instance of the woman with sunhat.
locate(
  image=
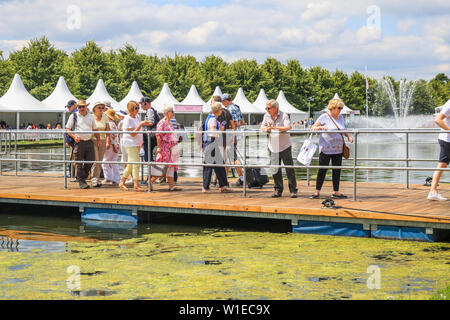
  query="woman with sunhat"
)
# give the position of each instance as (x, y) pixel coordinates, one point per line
(101, 120)
(111, 171)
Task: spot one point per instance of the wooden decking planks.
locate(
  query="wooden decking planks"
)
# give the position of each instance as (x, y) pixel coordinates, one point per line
(375, 200)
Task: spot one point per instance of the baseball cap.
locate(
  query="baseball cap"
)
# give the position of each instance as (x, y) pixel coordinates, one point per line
(71, 103)
(145, 100)
(226, 97)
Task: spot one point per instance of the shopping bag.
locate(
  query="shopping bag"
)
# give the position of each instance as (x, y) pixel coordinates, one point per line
(307, 151)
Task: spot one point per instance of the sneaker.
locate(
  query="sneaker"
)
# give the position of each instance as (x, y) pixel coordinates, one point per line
(294, 195)
(436, 196)
(84, 185)
(238, 183)
(214, 183)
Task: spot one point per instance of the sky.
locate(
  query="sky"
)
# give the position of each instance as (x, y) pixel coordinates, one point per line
(401, 38)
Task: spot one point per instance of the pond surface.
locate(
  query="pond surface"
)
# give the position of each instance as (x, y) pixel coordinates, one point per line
(48, 257)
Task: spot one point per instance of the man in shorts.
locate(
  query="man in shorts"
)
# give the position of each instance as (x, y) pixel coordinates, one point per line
(443, 121)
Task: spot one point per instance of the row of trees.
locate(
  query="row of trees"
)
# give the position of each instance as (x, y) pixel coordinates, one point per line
(40, 64)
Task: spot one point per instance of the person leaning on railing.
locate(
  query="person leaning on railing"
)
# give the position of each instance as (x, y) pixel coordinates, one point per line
(132, 143)
(277, 124)
(331, 146)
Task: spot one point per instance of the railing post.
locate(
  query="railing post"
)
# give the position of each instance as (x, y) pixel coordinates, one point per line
(64, 160)
(407, 160)
(149, 157)
(244, 188)
(355, 159)
(15, 151)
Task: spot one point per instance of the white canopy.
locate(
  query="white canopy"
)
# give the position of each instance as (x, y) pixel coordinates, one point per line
(101, 95)
(194, 99)
(288, 108)
(164, 97)
(246, 106)
(18, 99)
(261, 101)
(134, 94)
(217, 92)
(60, 96)
(346, 109)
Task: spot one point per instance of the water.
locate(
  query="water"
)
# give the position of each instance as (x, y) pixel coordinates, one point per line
(206, 258)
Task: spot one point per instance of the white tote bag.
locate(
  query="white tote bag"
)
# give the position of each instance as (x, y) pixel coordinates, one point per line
(307, 151)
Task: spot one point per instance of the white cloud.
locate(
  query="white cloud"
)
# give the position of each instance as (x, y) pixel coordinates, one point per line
(316, 33)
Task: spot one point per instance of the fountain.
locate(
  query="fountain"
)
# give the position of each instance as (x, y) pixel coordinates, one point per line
(405, 94)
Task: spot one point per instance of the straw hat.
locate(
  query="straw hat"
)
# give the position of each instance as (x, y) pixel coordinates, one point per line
(98, 104)
(82, 103)
(111, 114)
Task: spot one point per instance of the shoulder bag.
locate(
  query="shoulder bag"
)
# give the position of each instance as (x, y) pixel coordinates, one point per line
(345, 149)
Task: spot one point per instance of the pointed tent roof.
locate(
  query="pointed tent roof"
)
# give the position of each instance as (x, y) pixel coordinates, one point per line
(261, 101)
(217, 92)
(346, 109)
(134, 94)
(101, 95)
(60, 95)
(246, 106)
(193, 98)
(18, 99)
(286, 107)
(164, 97)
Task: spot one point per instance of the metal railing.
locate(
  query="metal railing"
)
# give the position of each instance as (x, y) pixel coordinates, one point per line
(354, 167)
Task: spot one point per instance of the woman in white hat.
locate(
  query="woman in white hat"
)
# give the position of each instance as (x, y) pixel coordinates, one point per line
(111, 171)
(101, 120)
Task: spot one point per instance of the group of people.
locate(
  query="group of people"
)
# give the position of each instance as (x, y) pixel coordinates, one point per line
(219, 146)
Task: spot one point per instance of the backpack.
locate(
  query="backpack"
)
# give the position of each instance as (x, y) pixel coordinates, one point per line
(157, 119)
(71, 141)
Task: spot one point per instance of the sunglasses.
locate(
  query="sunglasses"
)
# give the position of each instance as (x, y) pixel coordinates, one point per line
(81, 107)
(136, 108)
(340, 108)
(268, 108)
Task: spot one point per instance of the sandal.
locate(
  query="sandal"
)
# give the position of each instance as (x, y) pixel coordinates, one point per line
(175, 188)
(139, 189)
(315, 196)
(123, 187)
(206, 191)
(226, 190)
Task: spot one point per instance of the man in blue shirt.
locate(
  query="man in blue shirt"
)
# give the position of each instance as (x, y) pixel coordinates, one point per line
(238, 120)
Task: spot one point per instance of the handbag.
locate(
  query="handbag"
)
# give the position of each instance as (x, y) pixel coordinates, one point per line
(345, 149)
(307, 151)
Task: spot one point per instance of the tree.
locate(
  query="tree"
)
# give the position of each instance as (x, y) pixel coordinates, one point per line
(297, 84)
(214, 71)
(6, 75)
(273, 79)
(246, 74)
(422, 102)
(85, 67)
(39, 64)
(440, 89)
(321, 87)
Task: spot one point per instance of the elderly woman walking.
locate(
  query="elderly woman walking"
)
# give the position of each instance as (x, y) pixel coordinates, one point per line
(212, 141)
(111, 171)
(331, 146)
(132, 143)
(166, 150)
(101, 120)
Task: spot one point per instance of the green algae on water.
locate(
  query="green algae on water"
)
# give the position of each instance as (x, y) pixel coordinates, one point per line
(230, 265)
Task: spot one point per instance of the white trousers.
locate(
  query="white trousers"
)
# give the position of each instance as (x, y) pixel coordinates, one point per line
(111, 171)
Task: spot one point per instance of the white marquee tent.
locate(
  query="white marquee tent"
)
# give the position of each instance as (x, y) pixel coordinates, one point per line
(164, 97)
(295, 115)
(261, 101)
(247, 107)
(345, 111)
(193, 98)
(18, 100)
(101, 95)
(134, 94)
(217, 92)
(60, 96)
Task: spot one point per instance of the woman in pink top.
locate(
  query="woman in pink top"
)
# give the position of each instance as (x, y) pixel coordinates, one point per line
(167, 150)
